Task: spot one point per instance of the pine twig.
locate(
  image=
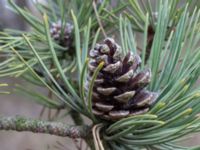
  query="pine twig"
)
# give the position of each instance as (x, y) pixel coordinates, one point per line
(78, 120)
(19, 123)
(76, 117)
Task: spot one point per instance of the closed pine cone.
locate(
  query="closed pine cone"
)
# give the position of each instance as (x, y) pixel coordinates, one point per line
(66, 40)
(119, 89)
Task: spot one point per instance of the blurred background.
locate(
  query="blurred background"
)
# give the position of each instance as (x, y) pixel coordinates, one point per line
(15, 104)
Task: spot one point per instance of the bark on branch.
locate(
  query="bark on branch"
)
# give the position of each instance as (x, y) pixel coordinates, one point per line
(37, 126)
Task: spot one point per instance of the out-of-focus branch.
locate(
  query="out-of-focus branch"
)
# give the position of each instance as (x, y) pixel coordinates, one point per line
(37, 126)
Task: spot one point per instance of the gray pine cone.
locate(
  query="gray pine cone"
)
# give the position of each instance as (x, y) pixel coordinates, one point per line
(66, 40)
(119, 89)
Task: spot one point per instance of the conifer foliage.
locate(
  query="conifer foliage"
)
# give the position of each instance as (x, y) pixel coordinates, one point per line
(131, 67)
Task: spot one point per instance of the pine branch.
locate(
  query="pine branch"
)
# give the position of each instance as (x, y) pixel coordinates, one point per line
(19, 123)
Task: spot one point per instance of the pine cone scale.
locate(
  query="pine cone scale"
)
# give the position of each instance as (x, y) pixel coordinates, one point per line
(112, 68)
(104, 107)
(126, 77)
(144, 98)
(125, 97)
(106, 91)
(139, 112)
(115, 115)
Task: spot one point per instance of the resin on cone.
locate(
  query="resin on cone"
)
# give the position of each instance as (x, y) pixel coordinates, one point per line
(119, 89)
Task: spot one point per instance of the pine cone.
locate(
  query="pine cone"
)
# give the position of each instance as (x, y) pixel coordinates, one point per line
(119, 89)
(66, 40)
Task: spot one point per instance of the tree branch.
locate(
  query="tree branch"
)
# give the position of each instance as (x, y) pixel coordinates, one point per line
(37, 126)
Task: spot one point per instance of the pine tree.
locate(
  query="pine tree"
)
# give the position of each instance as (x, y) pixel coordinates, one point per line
(139, 93)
